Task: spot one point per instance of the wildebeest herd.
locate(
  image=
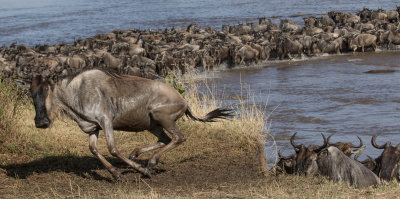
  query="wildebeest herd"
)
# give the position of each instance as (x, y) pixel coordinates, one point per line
(152, 53)
(333, 160)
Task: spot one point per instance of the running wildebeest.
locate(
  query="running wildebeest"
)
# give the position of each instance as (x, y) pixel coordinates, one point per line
(101, 100)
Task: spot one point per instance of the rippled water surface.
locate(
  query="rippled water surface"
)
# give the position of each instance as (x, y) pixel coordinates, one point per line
(331, 94)
(34, 22)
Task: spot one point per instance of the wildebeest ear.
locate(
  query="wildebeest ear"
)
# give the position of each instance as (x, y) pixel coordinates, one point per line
(52, 83)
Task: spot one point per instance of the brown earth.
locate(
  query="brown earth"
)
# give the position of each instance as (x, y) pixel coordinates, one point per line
(67, 176)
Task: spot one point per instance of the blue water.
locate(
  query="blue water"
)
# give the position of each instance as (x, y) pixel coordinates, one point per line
(33, 22)
(331, 95)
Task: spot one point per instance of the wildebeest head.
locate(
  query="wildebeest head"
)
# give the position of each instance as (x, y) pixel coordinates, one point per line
(306, 157)
(286, 164)
(40, 90)
(387, 164)
(353, 44)
(346, 147)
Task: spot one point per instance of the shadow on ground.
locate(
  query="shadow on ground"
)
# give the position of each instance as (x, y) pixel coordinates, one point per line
(81, 166)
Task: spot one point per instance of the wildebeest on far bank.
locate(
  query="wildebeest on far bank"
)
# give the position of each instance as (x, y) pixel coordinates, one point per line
(154, 53)
(101, 100)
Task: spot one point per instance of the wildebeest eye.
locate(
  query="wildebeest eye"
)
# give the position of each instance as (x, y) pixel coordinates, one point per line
(45, 87)
(323, 154)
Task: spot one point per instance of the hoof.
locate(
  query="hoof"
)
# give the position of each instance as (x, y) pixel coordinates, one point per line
(119, 178)
(151, 165)
(134, 154)
(147, 173)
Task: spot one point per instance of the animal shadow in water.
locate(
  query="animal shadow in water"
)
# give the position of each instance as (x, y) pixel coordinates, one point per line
(81, 166)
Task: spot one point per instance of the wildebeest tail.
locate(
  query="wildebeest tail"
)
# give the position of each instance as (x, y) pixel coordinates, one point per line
(218, 113)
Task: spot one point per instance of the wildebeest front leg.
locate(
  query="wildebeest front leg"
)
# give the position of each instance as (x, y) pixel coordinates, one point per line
(163, 139)
(93, 148)
(109, 132)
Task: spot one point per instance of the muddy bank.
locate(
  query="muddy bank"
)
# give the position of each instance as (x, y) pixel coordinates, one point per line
(153, 53)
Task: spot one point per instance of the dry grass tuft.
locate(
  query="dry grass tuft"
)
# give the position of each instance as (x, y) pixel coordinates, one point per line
(12, 105)
(245, 131)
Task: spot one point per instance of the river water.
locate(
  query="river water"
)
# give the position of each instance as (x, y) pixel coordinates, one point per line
(327, 94)
(32, 22)
(332, 95)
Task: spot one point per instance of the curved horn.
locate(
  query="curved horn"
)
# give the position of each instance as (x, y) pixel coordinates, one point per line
(374, 143)
(359, 146)
(358, 152)
(283, 157)
(292, 142)
(280, 154)
(356, 157)
(326, 141)
(329, 137)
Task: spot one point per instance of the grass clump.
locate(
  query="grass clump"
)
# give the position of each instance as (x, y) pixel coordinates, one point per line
(12, 103)
(172, 81)
(245, 131)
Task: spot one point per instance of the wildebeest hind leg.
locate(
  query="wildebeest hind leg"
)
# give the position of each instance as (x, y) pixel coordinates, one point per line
(177, 139)
(163, 139)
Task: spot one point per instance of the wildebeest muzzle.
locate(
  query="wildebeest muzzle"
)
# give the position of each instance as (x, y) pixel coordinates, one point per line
(42, 122)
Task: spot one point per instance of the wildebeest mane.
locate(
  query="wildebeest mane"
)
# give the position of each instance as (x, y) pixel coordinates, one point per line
(108, 71)
(60, 112)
